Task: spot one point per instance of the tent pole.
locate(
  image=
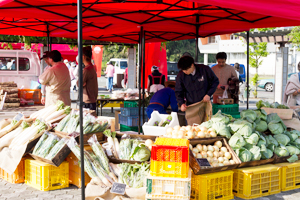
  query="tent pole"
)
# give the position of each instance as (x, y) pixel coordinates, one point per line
(48, 38)
(79, 39)
(247, 83)
(197, 38)
(140, 68)
(143, 51)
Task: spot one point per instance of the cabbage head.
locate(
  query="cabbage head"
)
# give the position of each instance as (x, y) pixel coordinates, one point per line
(252, 139)
(250, 115)
(295, 136)
(142, 153)
(255, 150)
(266, 154)
(262, 103)
(293, 150)
(207, 124)
(282, 139)
(293, 158)
(244, 154)
(221, 129)
(236, 141)
(273, 117)
(275, 128)
(219, 117)
(272, 147)
(237, 124)
(245, 131)
(281, 151)
(274, 105)
(297, 141)
(272, 140)
(261, 142)
(295, 131)
(262, 126)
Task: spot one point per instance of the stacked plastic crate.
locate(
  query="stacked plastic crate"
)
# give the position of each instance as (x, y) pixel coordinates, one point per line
(129, 117)
(170, 177)
(231, 109)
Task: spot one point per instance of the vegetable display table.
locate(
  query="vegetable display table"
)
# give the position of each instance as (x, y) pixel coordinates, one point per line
(108, 103)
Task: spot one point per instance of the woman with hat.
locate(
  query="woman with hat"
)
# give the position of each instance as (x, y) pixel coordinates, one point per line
(156, 80)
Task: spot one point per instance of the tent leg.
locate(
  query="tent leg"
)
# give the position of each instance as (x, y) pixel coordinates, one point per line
(143, 52)
(79, 39)
(247, 82)
(48, 38)
(197, 38)
(140, 68)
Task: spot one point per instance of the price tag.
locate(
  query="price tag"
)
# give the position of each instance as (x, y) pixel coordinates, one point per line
(203, 162)
(19, 117)
(118, 188)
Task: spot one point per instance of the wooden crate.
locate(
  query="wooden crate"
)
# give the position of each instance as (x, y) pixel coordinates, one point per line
(86, 137)
(225, 101)
(282, 113)
(210, 141)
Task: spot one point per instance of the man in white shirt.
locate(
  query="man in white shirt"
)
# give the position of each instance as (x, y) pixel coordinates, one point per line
(43, 87)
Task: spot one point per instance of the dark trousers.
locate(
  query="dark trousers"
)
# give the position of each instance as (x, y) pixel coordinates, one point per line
(91, 106)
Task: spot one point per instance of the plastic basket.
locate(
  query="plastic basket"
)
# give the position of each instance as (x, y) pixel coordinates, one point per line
(212, 186)
(236, 115)
(258, 181)
(290, 175)
(130, 120)
(124, 128)
(30, 94)
(170, 161)
(132, 111)
(18, 176)
(168, 188)
(228, 109)
(130, 104)
(46, 177)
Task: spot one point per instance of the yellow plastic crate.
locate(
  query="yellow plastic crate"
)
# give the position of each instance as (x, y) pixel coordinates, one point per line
(168, 188)
(254, 182)
(290, 175)
(169, 169)
(46, 177)
(212, 186)
(18, 176)
(172, 142)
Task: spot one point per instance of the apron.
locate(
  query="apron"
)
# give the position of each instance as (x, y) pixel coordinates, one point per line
(155, 87)
(198, 113)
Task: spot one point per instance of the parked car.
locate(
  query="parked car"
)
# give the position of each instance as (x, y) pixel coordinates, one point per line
(268, 84)
(242, 70)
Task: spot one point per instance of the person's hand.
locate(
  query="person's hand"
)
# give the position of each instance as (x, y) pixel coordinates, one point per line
(206, 98)
(183, 107)
(296, 92)
(43, 100)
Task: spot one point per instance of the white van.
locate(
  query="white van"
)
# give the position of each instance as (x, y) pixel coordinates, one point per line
(120, 66)
(20, 66)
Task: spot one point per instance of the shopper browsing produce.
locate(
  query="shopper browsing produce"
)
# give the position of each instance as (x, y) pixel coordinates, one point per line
(223, 71)
(291, 95)
(57, 80)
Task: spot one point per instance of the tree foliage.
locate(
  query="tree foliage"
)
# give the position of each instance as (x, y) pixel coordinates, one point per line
(295, 36)
(257, 51)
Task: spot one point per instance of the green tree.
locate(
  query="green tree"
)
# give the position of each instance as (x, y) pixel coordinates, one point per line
(256, 53)
(294, 36)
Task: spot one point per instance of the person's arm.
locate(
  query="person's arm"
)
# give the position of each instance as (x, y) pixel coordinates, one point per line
(213, 81)
(84, 77)
(173, 101)
(148, 85)
(179, 90)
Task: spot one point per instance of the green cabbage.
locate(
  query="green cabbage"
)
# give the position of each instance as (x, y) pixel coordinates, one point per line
(295, 131)
(221, 129)
(282, 139)
(276, 128)
(281, 106)
(271, 147)
(237, 141)
(293, 158)
(244, 154)
(207, 124)
(272, 140)
(297, 141)
(281, 151)
(273, 117)
(262, 103)
(262, 126)
(141, 153)
(255, 150)
(261, 142)
(245, 131)
(263, 115)
(250, 115)
(267, 154)
(220, 117)
(253, 139)
(238, 124)
(293, 150)
(295, 136)
(274, 105)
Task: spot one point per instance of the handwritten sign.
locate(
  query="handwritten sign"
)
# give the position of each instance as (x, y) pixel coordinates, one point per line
(203, 162)
(19, 117)
(118, 188)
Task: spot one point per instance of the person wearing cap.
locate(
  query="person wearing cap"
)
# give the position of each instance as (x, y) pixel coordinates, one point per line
(43, 87)
(194, 83)
(90, 81)
(57, 80)
(156, 80)
(162, 99)
(110, 70)
(224, 72)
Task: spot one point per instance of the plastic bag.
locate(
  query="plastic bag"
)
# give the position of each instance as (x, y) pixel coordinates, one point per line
(225, 95)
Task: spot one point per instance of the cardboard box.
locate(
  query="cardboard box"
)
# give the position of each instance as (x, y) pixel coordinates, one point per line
(282, 113)
(225, 101)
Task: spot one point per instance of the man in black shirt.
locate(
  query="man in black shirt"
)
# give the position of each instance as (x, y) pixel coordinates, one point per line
(194, 82)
